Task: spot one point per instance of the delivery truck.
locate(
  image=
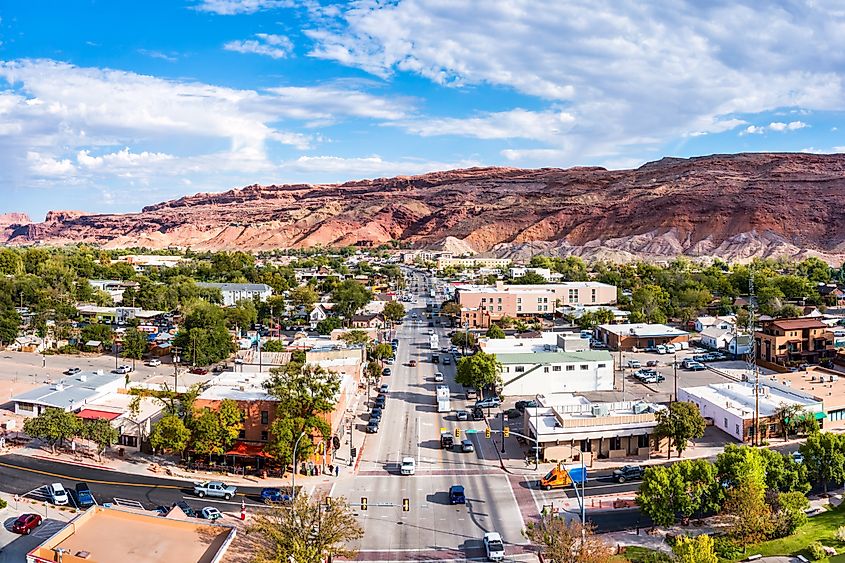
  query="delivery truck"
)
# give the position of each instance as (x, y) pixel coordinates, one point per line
(562, 476)
(442, 394)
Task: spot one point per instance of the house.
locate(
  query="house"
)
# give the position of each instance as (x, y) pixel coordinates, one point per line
(568, 427)
(545, 273)
(532, 373)
(731, 406)
(114, 288)
(726, 323)
(114, 533)
(116, 315)
(715, 338)
(794, 341)
(639, 336)
(320, 312)
(234, 292)
(26, 344)
(371, 320)
(740, 344)
(501, 300)
(146, 262)
(832, 294)
(133, 426)
(68, 394)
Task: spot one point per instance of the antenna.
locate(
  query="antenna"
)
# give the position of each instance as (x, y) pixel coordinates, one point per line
(751, 357)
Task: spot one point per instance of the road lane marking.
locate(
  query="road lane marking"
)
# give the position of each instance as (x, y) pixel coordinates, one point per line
(99, 482)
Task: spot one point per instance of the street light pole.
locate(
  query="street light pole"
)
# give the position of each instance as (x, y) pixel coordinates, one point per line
(503, 432)
(675, 366)
(293, 475)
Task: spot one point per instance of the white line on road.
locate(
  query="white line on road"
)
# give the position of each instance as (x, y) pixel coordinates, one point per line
(518, 511)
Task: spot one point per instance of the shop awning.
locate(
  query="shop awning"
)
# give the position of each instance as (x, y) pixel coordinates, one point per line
(242, 449)
(91, 414)
(820, 416)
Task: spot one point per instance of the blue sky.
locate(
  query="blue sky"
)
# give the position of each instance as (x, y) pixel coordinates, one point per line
(109, 106)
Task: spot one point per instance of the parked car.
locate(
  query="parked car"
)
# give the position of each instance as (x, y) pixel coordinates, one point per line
(186, 508)
(530, 404)
(25, 523)
(122, 369)
(58, 494)
(477, 413)
(462, 415)
(153, 363)
(438, 377)
(198, 371)
(380, 401)
(471, 394)
(408, 466)
(84, 498)
(652, 363)
(412, 363)
(628, 473)
(385, 388)
(447, 360)
(71, 371)
(457, 495)
(488, 403)
(695, 366)
(215, 489)
(210, 513)
(375, 414)
(634, 364)
(662, 349)
(797, 457)
(494, 548)
(372, 425)
(466, 446)
(386, 371)
(272, 494)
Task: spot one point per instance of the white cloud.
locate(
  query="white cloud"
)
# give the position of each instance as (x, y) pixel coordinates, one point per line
(158, 55)
(233, 7)
(635, 75)
(321, 103)
(42, 165)
(516, 123)
(121, 159)
(777, 126)
(370, 166)
(274, 46)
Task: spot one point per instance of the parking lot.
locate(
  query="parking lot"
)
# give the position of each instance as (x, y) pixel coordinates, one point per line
(14, 546)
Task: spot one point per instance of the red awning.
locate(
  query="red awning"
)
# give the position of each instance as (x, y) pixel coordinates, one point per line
(91, 414)
(243, 449)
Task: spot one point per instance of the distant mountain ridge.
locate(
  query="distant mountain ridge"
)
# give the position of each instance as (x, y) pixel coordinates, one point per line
(732, 206)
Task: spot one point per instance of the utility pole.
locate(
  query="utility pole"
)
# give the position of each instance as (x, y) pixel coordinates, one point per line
(675, 366)
(503, 431)
(174, 355)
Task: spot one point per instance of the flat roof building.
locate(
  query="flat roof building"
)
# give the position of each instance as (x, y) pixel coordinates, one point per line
(234, 292)
(639, 336)
(555, 372)
(106, 535)
(69, 393)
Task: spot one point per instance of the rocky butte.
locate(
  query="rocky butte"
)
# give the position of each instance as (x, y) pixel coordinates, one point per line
(731, 206)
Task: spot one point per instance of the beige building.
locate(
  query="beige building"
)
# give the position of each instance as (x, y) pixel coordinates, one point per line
(826, 384)
(487, 303)
(446, 261)
(569, 426)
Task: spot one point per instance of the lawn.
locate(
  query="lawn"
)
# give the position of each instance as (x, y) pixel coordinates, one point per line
(636, 554)
(819, 528)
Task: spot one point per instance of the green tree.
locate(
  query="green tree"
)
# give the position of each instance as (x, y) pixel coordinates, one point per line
(273, 345)
(305, 531)
(11, 263)
(304, 395)
(327, 325)
(303, 296)
(203, 337)
(101, 432)
(451, 309)
(698, 549)
(815, 269)
(214, 431)
(495, 332)
(381, 352)
(824, 457)
(242, 315)
(530, 278)
(355, 338)
(349, 296)
(394, 311)
(170, 434)
(372, 374)
(787, 417)
(649, 303)
(752, 516)
(97, 332)
(659, 496)
(567, 541)
(134, 344)
(53, 426)
(789, 311)
(790, 513)
(479, 370)
(781, 472)
(10, 322)
(464, 339)
(681, 422)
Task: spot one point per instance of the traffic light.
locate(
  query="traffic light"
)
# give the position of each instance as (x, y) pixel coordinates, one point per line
(363, 503)
(487, 432)
(457, 432)
(328, 503)
(506, 431)
(406, 504)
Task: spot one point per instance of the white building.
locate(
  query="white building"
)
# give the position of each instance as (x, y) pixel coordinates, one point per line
(133, 429)
(234, 292)
(716, 338)
(69, 393)
(568, 427)
(533, 373)
(577, 311)
(545, 273)
(731, 405)
(722, 322)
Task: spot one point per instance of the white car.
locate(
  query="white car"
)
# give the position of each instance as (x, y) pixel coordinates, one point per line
(493, 546)
(408, 467)
(438, 377)
(211, 513)
(153, 363)
(634, 364)
(123, 369)
(58, 494)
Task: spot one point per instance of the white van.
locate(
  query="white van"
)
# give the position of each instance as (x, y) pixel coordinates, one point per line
(661, 349)
(408, 467)
(671, 348)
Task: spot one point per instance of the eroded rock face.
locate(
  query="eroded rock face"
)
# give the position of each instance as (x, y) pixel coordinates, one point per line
(732, 206)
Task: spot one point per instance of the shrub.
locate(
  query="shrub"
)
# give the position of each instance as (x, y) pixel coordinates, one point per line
(816, 551)
(726, 548)
(840, 533)
(3, 504)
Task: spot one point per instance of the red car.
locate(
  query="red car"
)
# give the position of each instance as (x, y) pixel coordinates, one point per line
(26, 523)
(198, 371)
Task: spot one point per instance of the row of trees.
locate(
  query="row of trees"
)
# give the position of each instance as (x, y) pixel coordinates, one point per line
(55, 427)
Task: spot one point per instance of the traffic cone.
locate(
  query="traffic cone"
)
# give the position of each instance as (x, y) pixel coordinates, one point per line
(243, 510)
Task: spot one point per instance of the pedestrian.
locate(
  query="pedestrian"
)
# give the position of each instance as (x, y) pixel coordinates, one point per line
(336, 470)
(331, 469)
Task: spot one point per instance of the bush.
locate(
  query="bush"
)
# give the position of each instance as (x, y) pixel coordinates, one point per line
(840, 533)
(726, 548)
(816, 551)
(3, 504)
